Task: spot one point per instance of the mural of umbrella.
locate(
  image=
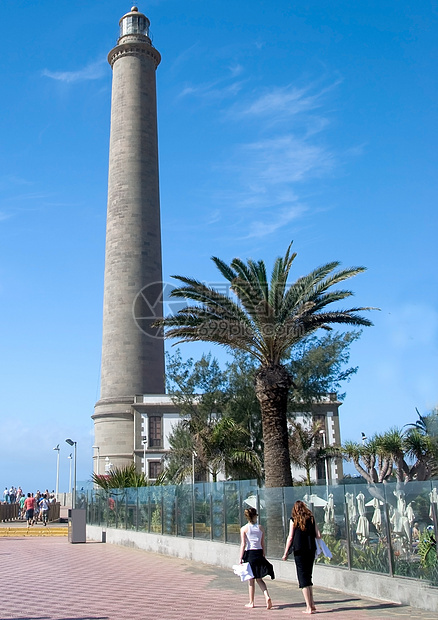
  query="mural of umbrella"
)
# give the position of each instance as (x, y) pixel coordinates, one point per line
(363, 527)
(314, 499)
(410, 514)
(329, 517)
(399, 520)
(377, 514)
(251, 501)
(351, 507)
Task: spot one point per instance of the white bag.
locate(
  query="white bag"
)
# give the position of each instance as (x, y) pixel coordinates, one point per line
(243, 571)
(321, 547)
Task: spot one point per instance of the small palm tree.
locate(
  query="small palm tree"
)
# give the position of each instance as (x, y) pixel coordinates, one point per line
(265, 317)
(305, 450)
(220, 444)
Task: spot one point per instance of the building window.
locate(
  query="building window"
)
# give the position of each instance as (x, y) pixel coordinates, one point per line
(154, 469)
(155, 430)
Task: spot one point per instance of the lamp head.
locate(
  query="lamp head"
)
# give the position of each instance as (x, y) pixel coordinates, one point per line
(70, 442)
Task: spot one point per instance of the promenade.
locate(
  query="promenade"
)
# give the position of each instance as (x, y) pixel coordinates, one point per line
(51, 579)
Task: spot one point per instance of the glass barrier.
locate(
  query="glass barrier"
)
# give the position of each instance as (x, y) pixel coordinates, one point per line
(384, 528)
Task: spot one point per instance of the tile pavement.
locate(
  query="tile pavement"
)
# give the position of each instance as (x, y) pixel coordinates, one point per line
(51, 579)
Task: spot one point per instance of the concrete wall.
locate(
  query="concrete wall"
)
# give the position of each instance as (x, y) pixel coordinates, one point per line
(392, 589)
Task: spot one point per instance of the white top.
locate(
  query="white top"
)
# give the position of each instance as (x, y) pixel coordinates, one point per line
(254, 537)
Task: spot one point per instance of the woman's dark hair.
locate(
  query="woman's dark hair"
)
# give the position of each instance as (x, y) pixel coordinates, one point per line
(300, 514)
(250, 514)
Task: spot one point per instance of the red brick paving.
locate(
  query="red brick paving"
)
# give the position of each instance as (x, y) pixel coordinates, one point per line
(51, 579)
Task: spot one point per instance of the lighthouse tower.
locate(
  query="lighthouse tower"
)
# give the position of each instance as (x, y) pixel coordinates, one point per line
(132, 351)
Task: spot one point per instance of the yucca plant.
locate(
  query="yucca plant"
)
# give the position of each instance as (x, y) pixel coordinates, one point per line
(121, 478)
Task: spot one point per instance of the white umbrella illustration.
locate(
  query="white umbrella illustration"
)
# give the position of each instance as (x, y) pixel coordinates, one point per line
(377, 514)
(314, 499)
(329, 516)
(363, 527)
(351, 507)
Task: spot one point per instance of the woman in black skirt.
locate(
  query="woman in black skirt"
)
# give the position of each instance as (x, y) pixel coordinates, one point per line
(301, 540)
(252, 550)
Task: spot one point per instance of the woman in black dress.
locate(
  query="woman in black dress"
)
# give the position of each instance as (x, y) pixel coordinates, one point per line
(301, 540)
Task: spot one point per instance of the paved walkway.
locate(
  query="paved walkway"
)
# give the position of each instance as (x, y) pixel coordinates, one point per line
(51, 579)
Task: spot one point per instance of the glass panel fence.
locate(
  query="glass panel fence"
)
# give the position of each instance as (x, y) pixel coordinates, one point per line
(130, 520)
(184, 510)
(169, 521)
(144, 509)
(384, 528)
(233, 511)
(217, 511)
(202, 510)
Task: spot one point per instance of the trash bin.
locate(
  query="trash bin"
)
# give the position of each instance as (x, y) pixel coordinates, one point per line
(77, 525)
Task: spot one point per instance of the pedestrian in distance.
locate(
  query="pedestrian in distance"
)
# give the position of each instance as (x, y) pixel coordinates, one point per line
(301, 540)
(44, 509)
(252, 550)
(29, 506)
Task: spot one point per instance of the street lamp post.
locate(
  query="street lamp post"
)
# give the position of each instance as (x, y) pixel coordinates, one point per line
(57, 448)
(194, 453)
(70, 457)
(145, 443)
(324, 445)
(98, 458)
(73, 443)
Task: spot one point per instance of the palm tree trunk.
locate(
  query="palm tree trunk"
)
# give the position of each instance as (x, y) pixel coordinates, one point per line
(272, 384)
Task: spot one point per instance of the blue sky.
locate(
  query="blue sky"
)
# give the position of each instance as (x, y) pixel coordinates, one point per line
(307, 121)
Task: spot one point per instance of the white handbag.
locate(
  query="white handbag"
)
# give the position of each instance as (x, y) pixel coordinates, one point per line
(243, 571)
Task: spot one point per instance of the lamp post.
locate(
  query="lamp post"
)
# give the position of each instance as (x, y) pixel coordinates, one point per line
(144, 441)
(73, 443)
(70, 457)
(324, 445)
(57, 448)
(194, 453)
(98, 458)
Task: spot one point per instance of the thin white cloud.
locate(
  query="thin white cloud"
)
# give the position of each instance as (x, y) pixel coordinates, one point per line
(93, 71)
(277, 220)
(280, 103)
(211, 91)
(285, 159)
(236, 70)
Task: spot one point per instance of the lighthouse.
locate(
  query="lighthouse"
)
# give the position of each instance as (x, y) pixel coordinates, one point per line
(132, 350)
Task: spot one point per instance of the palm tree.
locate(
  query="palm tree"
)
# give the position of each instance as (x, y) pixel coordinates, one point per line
(305, 449)
(264, 318)
(220, 444)
(369, 459)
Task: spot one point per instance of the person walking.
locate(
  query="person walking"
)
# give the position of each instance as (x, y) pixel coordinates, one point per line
(252, 550)
(44, 509)
(29, 506)
(21, 504)
(301, 540)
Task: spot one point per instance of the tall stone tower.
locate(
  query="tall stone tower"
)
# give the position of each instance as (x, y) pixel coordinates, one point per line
(132, 351)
